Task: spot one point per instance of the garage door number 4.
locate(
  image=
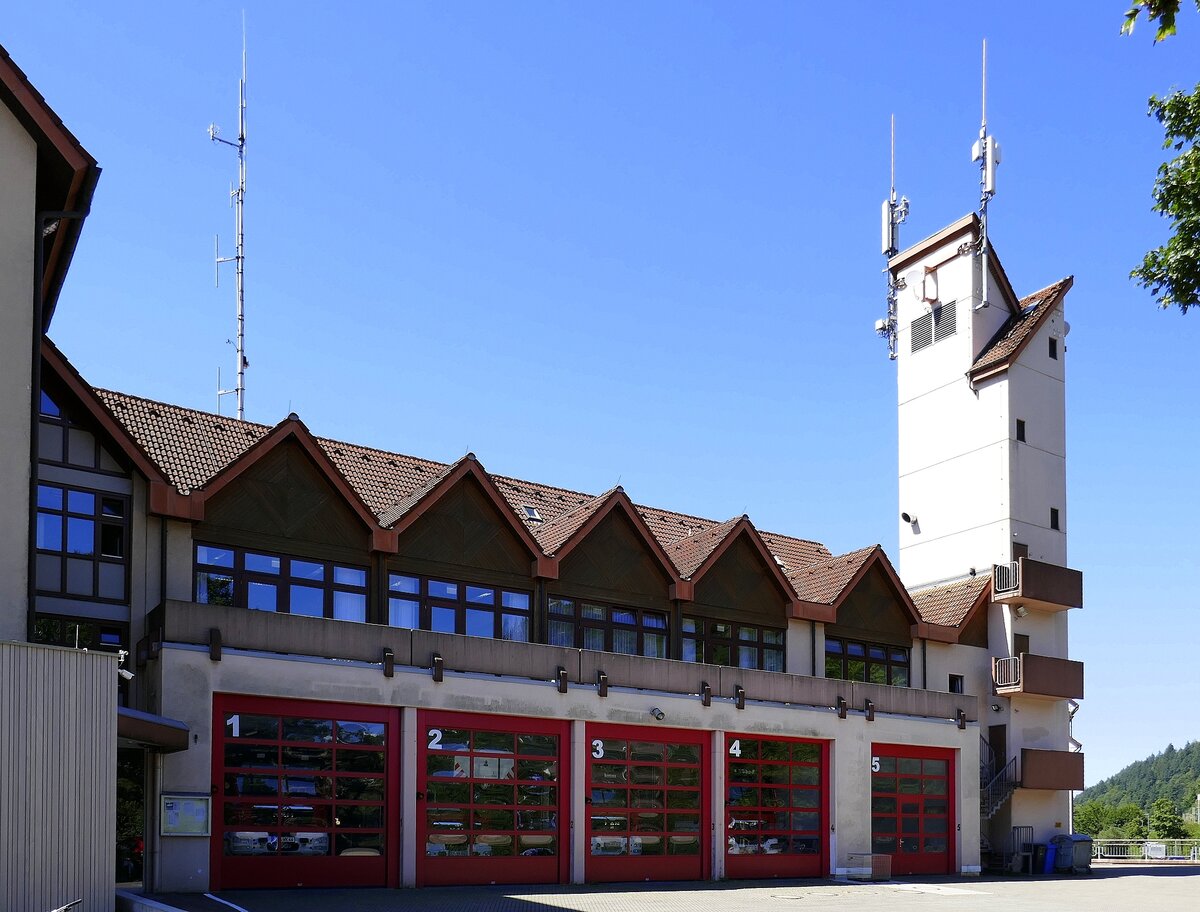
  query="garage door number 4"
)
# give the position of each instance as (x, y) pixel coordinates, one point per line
(735, 747)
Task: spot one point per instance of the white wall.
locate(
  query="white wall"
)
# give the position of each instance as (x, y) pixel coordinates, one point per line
(17, 212)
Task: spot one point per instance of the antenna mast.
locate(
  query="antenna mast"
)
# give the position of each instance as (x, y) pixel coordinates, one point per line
(986, 151)
(894, 213)
(237, 199)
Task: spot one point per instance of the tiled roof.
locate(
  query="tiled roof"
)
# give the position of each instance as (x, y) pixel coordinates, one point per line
(824, 581)
(948, 604)
(1020, 327)
(191, 447)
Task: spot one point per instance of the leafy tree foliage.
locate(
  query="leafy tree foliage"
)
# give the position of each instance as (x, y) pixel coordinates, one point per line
(1172, 272)
(1165, 820)
(1117, 808)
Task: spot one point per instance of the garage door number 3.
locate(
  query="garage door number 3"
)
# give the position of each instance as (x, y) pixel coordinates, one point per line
(598, 749)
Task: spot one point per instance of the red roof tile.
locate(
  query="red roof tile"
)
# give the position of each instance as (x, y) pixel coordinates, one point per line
(1016, 332)
(824, 581)
(949, 604)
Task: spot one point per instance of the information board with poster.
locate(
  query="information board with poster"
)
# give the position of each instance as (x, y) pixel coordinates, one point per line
(185, 815)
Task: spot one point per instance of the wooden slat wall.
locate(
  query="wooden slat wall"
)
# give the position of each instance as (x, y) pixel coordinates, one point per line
(58, 718)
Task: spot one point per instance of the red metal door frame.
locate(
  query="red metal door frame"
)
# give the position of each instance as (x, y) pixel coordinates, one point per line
(922, 862)
(650, 868)
(229, 872)
(475, 869)
(782, 864)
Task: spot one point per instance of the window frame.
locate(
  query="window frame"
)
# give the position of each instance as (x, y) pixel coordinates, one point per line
(844, 655)
(100, 521)
(461, 603)
(609, 627)
(283, 581)
(705, 641)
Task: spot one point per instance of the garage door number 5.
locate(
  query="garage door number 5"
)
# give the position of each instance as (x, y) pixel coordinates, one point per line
(874, 764)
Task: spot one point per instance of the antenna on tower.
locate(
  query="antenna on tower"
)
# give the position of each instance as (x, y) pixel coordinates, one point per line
(986, 151)
(894, 213)
(237, 198)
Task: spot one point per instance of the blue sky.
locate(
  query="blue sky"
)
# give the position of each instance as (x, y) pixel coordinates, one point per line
(639, 243)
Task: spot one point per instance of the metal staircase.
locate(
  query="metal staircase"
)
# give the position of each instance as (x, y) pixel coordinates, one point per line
(995, 786)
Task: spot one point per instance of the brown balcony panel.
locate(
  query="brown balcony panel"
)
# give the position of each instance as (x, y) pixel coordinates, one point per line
(1044, 586)
(1039, 676)
(1050, 769)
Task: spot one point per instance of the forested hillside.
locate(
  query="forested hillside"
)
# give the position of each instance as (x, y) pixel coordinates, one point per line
(1144, 799)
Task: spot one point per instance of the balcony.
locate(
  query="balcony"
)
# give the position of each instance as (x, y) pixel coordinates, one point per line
(218, 628)
(1051, 769)
(1037, 585)
(1038, 676)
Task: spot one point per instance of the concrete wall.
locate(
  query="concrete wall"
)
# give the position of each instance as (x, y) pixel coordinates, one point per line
(58, 738)
(195, 677)
(17, 213)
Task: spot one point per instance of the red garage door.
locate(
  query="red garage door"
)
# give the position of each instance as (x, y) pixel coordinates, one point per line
(912, 808)
(492, 799)
(776, 807)
(648, 809)
(304, 794)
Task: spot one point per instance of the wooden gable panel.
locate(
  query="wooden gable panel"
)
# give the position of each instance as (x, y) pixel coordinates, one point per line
(873, 612)
(976, 631)
(465, 529)
(740, 585)
(284, 498)
(615, 563)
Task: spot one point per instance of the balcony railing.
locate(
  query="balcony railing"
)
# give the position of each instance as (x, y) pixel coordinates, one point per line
(1038, 676)
(1006, 577)
(220, 627)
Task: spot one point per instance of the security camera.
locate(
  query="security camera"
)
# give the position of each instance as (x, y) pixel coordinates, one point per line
(658, 714)
(125, 674)
(910, 518)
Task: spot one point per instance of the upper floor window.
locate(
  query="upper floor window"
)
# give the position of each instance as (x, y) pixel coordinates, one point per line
(871, 662)
(275, 582)
(1054, 348)
(82, 540)
(736, 645)
(451, 606)
(65, 441)
(607, 628)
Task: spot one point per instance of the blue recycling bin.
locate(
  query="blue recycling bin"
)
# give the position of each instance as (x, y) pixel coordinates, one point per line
(1051, 855)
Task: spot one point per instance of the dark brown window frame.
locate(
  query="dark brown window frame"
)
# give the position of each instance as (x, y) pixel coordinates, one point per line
(460, 604)
(581, 624)
(97, 557)
(64, 421)
(705, 641)
(241, 578)
(888, 662)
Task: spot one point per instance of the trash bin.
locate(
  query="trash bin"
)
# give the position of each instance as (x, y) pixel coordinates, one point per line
(1037, 867)
(1074, 853)
(1051, 855)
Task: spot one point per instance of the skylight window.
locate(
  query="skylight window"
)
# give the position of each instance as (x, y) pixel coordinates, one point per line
(532, 514)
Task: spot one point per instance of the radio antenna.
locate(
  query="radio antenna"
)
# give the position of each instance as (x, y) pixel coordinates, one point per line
(237, 199)
(986, 151)
(894, 213)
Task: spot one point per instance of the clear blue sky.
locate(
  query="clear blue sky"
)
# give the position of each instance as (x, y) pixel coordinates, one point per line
(640, 242)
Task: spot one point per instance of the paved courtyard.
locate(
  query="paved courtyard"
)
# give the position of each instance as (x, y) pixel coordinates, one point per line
(1110, 888)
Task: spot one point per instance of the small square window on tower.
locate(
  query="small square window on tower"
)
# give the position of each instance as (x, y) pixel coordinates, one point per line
(1021, 429)
(1053, 348)
(1054, 523)
(956, 684)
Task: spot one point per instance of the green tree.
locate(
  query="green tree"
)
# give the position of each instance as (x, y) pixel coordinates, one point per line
(1091, 817)
(1172, 272)
(1165, 820)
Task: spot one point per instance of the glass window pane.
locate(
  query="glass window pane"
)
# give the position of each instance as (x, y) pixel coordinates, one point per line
(398, 583)
(112, 506)
(319, 730)
(833, 666)
(307, 600)
(538, 746)
(514, 627)
(594, 612)
(833, 646)
(561, 633)
(654, 645)
(480, 623)
(79, 577)
(562, 606)
(81, 502)
(262, 563)
(518, 600)
(350, 576)
(722, 630)
(112, 540)
(309, 570)
(245, 725)
(719, 654)
(623, 616)
(214, 557)
(438, 589)
(899, 676)
(690, 651)
(49, 532)
(593, 639)
(214, 589)
(691, 625)
(877, 673)
(748, 634)
(855, 649)
(404, 613)
(856, 670)
(773, 637)
(747, 657)
(50, 498)
(81, 536)
(350, 606)
(654, 619)
(441, 619)
(625, 641)
(481, 596)
(772, 660)
(262, 596)
(49, 408)
(360, 733)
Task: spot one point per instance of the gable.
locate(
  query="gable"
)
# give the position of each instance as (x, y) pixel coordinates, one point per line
(740, 585)
(873, 612)
(464, 528)
(975, 633)
(616, 562)
(283, 497)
